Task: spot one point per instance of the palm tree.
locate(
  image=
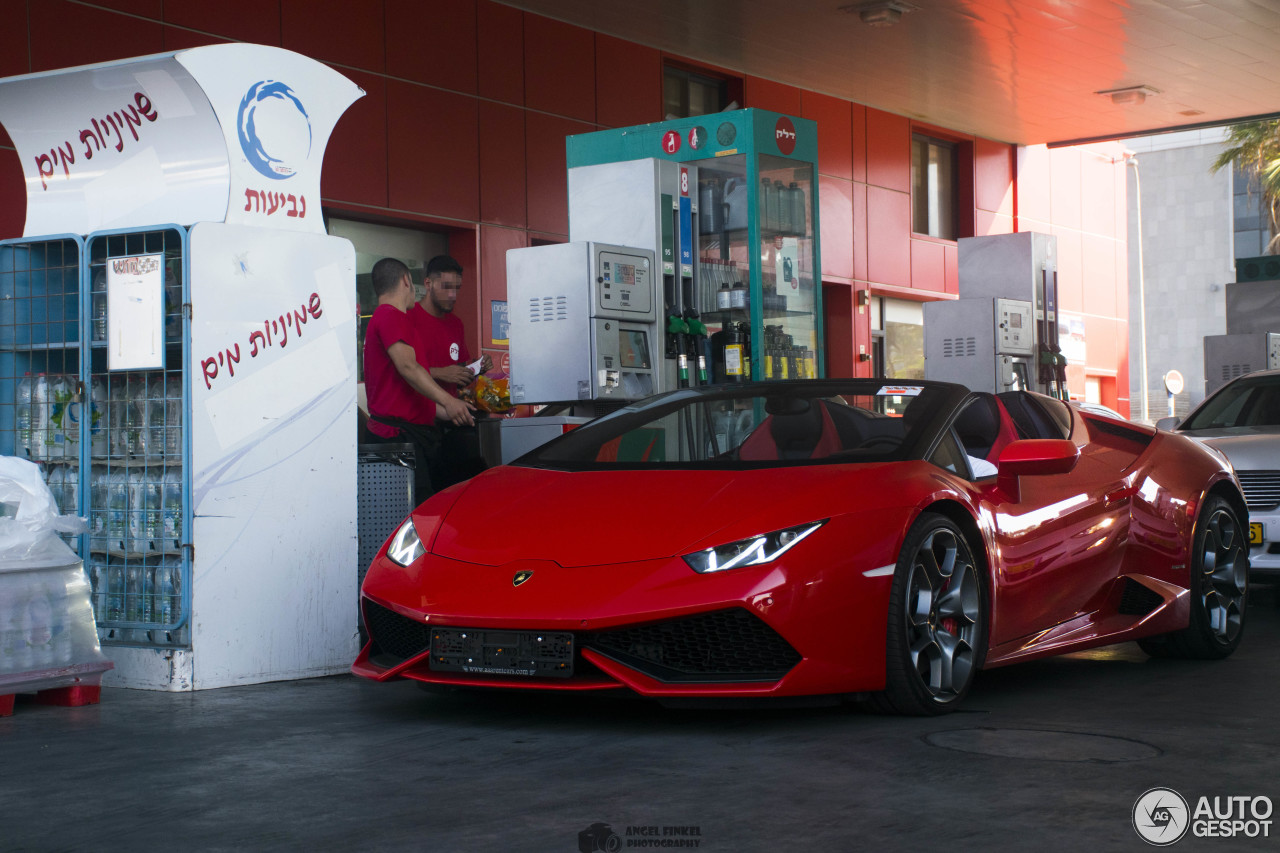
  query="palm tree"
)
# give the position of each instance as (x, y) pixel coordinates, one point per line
(1255, 147)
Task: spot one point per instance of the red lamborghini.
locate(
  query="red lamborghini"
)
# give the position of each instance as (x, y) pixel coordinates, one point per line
(835, 538)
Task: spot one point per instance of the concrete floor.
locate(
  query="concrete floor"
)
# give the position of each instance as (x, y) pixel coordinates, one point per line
(1049, 755)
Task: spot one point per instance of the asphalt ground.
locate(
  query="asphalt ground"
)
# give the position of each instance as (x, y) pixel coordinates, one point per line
(1049, 755)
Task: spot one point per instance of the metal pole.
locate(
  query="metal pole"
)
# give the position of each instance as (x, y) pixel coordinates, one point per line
(1131, 160)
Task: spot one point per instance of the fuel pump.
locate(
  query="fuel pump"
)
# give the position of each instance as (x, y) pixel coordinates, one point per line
(1053, 364)
(982, 343)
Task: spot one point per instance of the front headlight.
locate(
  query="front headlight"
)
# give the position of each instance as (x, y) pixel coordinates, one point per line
(750, 552)
(405, 546)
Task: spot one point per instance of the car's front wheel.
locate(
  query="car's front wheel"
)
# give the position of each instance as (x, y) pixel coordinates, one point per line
(937, 621)
(1219, 588)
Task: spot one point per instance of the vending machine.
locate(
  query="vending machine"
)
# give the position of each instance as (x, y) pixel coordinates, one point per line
(727, 204)
(177, 354)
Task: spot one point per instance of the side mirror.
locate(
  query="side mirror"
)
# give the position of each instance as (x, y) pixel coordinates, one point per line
(1167, 423)
(1034, 457)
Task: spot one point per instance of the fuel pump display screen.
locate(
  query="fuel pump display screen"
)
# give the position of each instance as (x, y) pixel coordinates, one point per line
(624, 273)
(633, 348)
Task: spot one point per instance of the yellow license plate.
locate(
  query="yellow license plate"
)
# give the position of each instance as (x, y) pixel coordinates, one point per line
(1255, 533)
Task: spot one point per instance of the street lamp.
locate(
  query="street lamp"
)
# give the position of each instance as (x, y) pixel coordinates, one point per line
(1131, 159)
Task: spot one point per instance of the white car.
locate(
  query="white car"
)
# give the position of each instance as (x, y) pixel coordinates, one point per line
(1242, 421)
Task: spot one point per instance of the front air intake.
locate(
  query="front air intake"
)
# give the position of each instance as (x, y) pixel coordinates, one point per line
(723, 645)
(395, 638)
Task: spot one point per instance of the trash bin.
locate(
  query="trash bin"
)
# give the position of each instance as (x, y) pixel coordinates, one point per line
(48, 637)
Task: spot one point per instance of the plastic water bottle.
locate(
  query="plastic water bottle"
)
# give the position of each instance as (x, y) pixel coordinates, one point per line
(136, 420)
(115, 590)
(117, 527)
(168, 599)
(157, 416)
(23, 416)
(71, 428)
(137, 603)
(100, 306)
(144, 512)
(40, 417)
(55, 479)
(59, 398)
(99, 443)
(98, 509)
(173, 416)
(171, 510)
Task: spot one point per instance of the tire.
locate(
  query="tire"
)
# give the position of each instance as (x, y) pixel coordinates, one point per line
(937, 622)
(1219, 589)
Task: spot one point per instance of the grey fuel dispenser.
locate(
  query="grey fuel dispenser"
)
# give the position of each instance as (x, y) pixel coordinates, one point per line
(584, 323)
(983, 343)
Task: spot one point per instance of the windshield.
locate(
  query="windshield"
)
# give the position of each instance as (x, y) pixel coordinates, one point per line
(757, 425)
(1249, 402)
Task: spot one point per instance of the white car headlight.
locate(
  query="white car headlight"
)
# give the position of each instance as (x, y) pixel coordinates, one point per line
(750, 552)
(405, 546)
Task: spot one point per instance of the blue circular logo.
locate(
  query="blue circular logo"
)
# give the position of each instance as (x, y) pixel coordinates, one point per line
(274, 130)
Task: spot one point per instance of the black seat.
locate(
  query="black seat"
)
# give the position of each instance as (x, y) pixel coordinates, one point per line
(978, 426)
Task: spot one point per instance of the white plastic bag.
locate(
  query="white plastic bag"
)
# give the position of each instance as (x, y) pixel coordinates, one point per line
(30, 525)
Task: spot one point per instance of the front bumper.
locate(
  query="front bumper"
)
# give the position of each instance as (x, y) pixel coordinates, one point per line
(1264, 557)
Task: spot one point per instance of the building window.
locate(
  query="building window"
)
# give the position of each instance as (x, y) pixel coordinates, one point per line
(935, 192)
(687, 93)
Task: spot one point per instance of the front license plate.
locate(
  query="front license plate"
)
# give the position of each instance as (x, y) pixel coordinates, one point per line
(520, 653)
(1255, 533)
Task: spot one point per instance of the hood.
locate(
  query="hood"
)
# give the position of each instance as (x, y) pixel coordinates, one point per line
(1248, 448)
(592, 517)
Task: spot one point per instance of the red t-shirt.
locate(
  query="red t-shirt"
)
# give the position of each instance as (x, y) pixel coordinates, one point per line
(385, 389)
(441, 341)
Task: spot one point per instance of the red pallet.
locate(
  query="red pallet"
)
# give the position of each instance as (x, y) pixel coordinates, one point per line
(72, 696)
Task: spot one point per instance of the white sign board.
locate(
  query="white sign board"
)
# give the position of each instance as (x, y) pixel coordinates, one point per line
(226, 132)
(135, 313)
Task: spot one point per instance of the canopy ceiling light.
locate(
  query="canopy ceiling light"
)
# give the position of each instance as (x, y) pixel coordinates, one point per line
(880, 13)
(1129, 95)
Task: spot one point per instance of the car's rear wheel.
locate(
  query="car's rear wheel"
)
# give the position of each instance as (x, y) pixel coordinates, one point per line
(1219, 588)
(937, 621)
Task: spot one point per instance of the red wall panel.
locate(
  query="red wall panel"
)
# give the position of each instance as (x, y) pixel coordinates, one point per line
(1071, 293)
(951, 268)
(628, 83)
(835, 201)
(548, 185)
(888, 236)
(928, 267)
(860, 270)
(494, 243)
(322, 30)
(993, 176)
(1098, 194)
(355, 161)
(986, 223)
(433, 41)
(1099, 274)
(67, 34)
(256, 21)
(500, 49)
(432, 152)
(502, 165)
(835, 133)
(768, 95)
(176, 38)
(14, 59)
(837, 311)
(559, 68)
(1064, 198)
(889, 151)
(859, 138)
(1034, 188)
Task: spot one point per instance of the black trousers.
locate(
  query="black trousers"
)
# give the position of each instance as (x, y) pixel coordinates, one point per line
(444, 454)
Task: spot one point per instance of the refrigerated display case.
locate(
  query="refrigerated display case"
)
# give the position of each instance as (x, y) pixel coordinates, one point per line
(734, 213)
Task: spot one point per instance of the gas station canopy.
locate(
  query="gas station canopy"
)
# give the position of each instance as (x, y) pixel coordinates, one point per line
(1018, 71)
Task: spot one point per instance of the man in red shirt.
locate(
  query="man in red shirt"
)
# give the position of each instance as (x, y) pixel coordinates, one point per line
(402, 397)
(442, 350)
